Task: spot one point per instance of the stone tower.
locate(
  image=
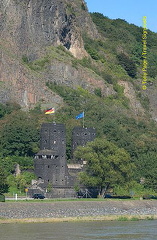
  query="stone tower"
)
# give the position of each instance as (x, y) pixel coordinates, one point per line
(80, 136)
(50, 161)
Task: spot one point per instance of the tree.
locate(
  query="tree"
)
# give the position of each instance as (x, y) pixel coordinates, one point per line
(21, 181)
(146, 168)
(107, 165)
(3, 183)
(128, 64)
(8, 108)
(19, 135)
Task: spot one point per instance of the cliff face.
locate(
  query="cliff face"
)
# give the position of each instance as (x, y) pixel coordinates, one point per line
(27, 28)
(31, 25)
(28, 31)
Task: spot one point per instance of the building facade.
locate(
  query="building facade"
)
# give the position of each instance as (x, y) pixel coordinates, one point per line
(50, 164)
(80, 136)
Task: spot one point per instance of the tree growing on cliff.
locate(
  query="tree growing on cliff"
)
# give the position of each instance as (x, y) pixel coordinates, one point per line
(128, 64)
(107, 165)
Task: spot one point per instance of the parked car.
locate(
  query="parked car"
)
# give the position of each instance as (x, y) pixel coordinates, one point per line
(38, 196)
(147, 196)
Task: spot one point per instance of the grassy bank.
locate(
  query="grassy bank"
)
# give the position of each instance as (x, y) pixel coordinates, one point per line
(78, 219)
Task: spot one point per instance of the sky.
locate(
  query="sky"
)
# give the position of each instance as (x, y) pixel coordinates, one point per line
(130, 10)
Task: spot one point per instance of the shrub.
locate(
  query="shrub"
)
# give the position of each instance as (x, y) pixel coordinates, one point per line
(25, 59)
(127, 64)
(83, 6)
(97, 92)
(2, 198)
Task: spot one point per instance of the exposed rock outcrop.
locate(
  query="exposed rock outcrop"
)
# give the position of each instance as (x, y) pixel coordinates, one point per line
(27, 28)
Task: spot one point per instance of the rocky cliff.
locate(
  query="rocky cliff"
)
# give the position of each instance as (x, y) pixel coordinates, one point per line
(27, 28)
(31, 32)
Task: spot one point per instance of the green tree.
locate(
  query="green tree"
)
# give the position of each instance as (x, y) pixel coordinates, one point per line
(3, 182)
(8, 108)
(146, 168)
(128, 64)
(107, 165)
(21, 181)
(19, 134)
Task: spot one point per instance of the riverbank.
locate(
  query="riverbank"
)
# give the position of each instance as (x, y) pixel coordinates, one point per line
(80, 219)
(77, 211)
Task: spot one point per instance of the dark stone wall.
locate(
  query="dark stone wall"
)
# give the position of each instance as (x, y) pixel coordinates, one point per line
(50, 162)
(52, 137)
(52, 170)
(81, 136)
(65, 192)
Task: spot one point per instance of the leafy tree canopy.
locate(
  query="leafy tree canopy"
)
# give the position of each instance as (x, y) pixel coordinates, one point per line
(3, 182)
(107, 165)
(19, 135)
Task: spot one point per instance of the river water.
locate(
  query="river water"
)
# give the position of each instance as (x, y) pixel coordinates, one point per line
(117, 230)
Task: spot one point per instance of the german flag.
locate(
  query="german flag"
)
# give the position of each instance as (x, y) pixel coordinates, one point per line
(50, 111)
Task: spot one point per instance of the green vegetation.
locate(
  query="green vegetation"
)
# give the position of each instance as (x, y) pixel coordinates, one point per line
(115, 56)
(8, 108)
(126, 218)
(122, 218)
(123, 42)
(52, 53)
(2, 198)
(3, 182)
(19, 138)
(18, 183)
(136, 137)
(19, 135)
(20, 131)
(127, 64)
(107, 165)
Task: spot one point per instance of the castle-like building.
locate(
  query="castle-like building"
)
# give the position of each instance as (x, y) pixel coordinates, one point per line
(55, 177)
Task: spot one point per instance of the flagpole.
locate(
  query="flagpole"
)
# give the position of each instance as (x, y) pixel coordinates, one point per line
(54, 118)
